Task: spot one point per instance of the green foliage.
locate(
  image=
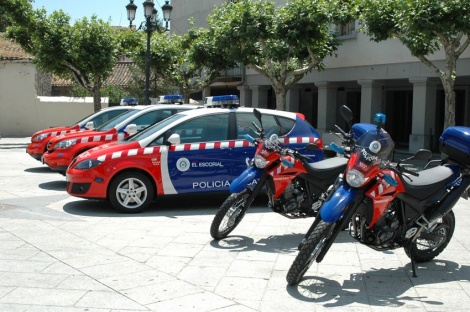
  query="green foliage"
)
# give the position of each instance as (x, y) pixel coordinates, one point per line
(115, 94)
(424, 27)
(281, 42)
(85, 51)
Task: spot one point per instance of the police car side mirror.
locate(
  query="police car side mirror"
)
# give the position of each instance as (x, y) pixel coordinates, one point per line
(174, 139)
(90, 125)
(131, 129)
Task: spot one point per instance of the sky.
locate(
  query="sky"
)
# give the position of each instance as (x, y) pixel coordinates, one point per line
(112, 11)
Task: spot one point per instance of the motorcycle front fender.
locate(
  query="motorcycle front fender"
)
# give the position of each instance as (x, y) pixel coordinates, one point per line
(247, 177)
(333, 209)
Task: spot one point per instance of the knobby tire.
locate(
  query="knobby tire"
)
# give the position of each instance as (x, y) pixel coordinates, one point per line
(231, 211)
(308, 253)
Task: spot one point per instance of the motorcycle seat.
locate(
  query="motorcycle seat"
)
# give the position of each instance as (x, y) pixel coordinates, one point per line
(327, 168)
(428, 182)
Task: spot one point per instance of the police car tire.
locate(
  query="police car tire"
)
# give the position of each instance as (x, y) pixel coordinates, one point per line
(141, 180)
(232, 200)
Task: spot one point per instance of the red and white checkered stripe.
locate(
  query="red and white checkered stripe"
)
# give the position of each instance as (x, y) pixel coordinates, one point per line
(281, 167)
(382, 186)
(56, 133)
(193, 147)
(103, 138)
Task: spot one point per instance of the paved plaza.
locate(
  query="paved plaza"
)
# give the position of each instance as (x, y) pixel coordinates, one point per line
(61, 253)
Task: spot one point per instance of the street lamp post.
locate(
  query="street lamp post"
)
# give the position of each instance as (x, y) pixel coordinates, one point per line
(150, 14)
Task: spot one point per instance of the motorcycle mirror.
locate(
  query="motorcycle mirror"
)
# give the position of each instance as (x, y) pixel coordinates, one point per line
(422, 154)
(346, 113)
(257, 114)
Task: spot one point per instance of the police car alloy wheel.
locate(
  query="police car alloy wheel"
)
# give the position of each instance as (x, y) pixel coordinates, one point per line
(131, 192)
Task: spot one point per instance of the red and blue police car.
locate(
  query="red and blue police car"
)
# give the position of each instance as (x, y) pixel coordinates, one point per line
(196, 151)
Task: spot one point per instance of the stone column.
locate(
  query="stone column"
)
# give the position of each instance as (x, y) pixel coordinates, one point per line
(424, 113)
(371, 99)
(326, 106)
(245, 96)
(293, 99)
(259, 96)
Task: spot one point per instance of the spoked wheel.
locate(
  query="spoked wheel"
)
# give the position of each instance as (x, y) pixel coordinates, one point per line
(230, 214)
(309, 252)
(131, 192)
(430, 245)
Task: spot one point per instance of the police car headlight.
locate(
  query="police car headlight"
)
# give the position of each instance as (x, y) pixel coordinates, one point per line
(87, 164)
(355, 178)
(40, 137)
(260, 162)
(66, 143)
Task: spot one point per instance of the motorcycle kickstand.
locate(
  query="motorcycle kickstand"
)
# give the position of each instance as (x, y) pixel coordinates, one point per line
(412, 258)
(413, 265)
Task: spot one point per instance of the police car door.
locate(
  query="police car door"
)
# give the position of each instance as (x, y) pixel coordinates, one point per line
(199, 163)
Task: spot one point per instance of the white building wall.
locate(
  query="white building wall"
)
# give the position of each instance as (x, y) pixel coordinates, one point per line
(22, 113)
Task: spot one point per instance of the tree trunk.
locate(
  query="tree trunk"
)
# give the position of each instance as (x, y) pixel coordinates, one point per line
(449, 115)
(280, 92)
(97, 95)
(186, 95)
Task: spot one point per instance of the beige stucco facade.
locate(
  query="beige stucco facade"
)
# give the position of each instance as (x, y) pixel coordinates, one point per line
(22, 112)
(368, 76)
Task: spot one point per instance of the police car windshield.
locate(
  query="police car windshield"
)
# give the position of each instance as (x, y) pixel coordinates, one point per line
(153, 128)
(116, 120)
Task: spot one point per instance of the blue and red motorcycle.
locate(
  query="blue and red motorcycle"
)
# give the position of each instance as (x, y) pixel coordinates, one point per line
(387, 205)
(295, 187)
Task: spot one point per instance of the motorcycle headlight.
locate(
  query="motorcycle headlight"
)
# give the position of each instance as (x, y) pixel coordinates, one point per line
(355, 178)
(87, 164)
(40, 137)
(65, 143)
(260, 162)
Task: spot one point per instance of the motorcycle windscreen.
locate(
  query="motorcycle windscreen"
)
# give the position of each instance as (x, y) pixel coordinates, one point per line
(249, 176)
(333, 209)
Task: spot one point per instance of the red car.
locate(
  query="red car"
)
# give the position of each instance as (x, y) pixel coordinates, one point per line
(61, 150)
(39, 140)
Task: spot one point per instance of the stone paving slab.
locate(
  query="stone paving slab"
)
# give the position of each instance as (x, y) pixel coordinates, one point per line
(59, 253)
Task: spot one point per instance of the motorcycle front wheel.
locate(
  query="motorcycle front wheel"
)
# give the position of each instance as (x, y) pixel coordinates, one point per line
(309, 252)
(230, 214)
(430, 245)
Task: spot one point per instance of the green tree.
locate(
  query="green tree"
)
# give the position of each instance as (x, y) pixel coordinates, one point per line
(85, 51)
(186, 62)
(425, 27)
(282, 43)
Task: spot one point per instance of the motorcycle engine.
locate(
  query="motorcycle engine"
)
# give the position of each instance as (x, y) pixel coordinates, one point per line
(382, 235)
(291, 199)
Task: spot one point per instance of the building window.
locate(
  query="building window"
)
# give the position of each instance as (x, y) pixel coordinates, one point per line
(346, 30)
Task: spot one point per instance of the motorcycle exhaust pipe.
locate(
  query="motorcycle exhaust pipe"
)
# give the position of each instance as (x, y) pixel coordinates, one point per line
(449, 201)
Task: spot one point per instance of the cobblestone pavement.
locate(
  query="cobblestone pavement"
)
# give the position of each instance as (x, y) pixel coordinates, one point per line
(60, 253)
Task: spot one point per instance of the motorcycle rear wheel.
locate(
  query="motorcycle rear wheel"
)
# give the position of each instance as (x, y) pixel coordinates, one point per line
(230, 214)
(429, 246)
(309, 252)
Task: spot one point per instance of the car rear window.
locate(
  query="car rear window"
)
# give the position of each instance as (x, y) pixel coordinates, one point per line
(245, 124)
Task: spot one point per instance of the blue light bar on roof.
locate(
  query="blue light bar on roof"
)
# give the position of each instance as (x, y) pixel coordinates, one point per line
(222, 101)
(173, 97)
(170, 99)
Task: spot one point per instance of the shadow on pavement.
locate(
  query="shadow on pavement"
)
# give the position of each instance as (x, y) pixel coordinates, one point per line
(40, 170)
(54, 186)
(286, 243)
(272, 243)
(379, 287)
(169, 206)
